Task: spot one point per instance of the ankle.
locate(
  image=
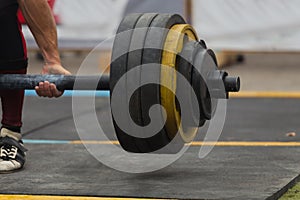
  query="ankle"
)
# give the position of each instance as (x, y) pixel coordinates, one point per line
(12, 128)
(5, 132)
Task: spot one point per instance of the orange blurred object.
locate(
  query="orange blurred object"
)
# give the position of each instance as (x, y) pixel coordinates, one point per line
(51, 4)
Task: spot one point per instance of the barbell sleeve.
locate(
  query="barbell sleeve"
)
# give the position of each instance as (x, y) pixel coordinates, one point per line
(62, 82)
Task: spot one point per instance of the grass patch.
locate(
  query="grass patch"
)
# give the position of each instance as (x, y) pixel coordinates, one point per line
(292, 194)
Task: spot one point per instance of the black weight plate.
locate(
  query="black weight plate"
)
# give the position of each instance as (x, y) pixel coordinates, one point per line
(134, 60)
(213, 55)
(213, 66)
(118, 69)
(185, 67)
(205, 63)
(150, 94)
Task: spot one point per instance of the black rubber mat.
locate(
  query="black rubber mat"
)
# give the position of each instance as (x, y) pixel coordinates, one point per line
(246, 119)
(227, 173)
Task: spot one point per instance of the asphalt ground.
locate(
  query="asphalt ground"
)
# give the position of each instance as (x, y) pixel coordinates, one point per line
(255, 157)
(245, 164)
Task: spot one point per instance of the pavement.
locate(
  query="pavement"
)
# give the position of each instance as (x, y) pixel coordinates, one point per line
(255, 157)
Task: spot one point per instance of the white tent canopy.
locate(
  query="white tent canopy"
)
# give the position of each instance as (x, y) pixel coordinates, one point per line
(89, 19)
(84, 23)
(252, 25)
(239, 25)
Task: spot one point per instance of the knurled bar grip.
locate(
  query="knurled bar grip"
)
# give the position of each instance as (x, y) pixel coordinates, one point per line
(20, 81)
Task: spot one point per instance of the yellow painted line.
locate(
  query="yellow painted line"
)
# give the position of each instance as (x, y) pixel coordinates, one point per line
(265, 94)
(234, 52)
(201, 143)
(247, 144)
(38, 197)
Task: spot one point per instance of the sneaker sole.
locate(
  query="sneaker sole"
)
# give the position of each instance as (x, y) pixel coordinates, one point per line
(12, 171)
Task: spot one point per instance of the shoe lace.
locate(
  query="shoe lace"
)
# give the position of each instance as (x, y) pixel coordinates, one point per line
(10, 148)
(8, 152)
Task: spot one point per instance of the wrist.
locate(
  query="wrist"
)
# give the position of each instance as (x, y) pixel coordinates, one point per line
(55, 69)
(51, 58)
(51, 63)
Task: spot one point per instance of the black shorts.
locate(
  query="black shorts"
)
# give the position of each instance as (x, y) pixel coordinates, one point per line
(13, 54)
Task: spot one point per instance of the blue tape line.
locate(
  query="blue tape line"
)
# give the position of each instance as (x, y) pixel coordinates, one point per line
(79, 93)
(30, 141)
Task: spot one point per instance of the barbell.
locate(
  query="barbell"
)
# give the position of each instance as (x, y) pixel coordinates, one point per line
(141, 40)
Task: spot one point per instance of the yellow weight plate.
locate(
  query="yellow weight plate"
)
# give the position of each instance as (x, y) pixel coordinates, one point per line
(177, 36)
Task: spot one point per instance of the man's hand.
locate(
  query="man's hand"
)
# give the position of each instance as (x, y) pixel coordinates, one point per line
(46, 89)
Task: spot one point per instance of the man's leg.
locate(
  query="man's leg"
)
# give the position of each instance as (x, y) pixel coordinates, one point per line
(12, 156)
(12, 105)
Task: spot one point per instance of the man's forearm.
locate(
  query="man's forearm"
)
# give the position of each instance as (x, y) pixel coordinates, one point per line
(39, 18)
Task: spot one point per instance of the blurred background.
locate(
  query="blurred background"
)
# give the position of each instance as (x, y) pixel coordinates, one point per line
(258, 40)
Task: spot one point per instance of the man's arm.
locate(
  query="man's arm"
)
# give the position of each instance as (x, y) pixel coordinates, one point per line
(40, 20)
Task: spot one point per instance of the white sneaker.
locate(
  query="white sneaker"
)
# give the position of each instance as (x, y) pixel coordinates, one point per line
(12, 152)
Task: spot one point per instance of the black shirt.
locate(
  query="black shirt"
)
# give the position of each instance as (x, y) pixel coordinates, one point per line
(4, 4)
(12, 49)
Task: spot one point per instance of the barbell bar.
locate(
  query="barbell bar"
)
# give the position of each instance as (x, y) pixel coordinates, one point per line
(62, 82)
(178, 48)
(67, 82)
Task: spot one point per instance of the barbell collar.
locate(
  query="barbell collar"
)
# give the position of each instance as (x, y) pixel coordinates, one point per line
(221, 84)
(62, 82)
(232, 84)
